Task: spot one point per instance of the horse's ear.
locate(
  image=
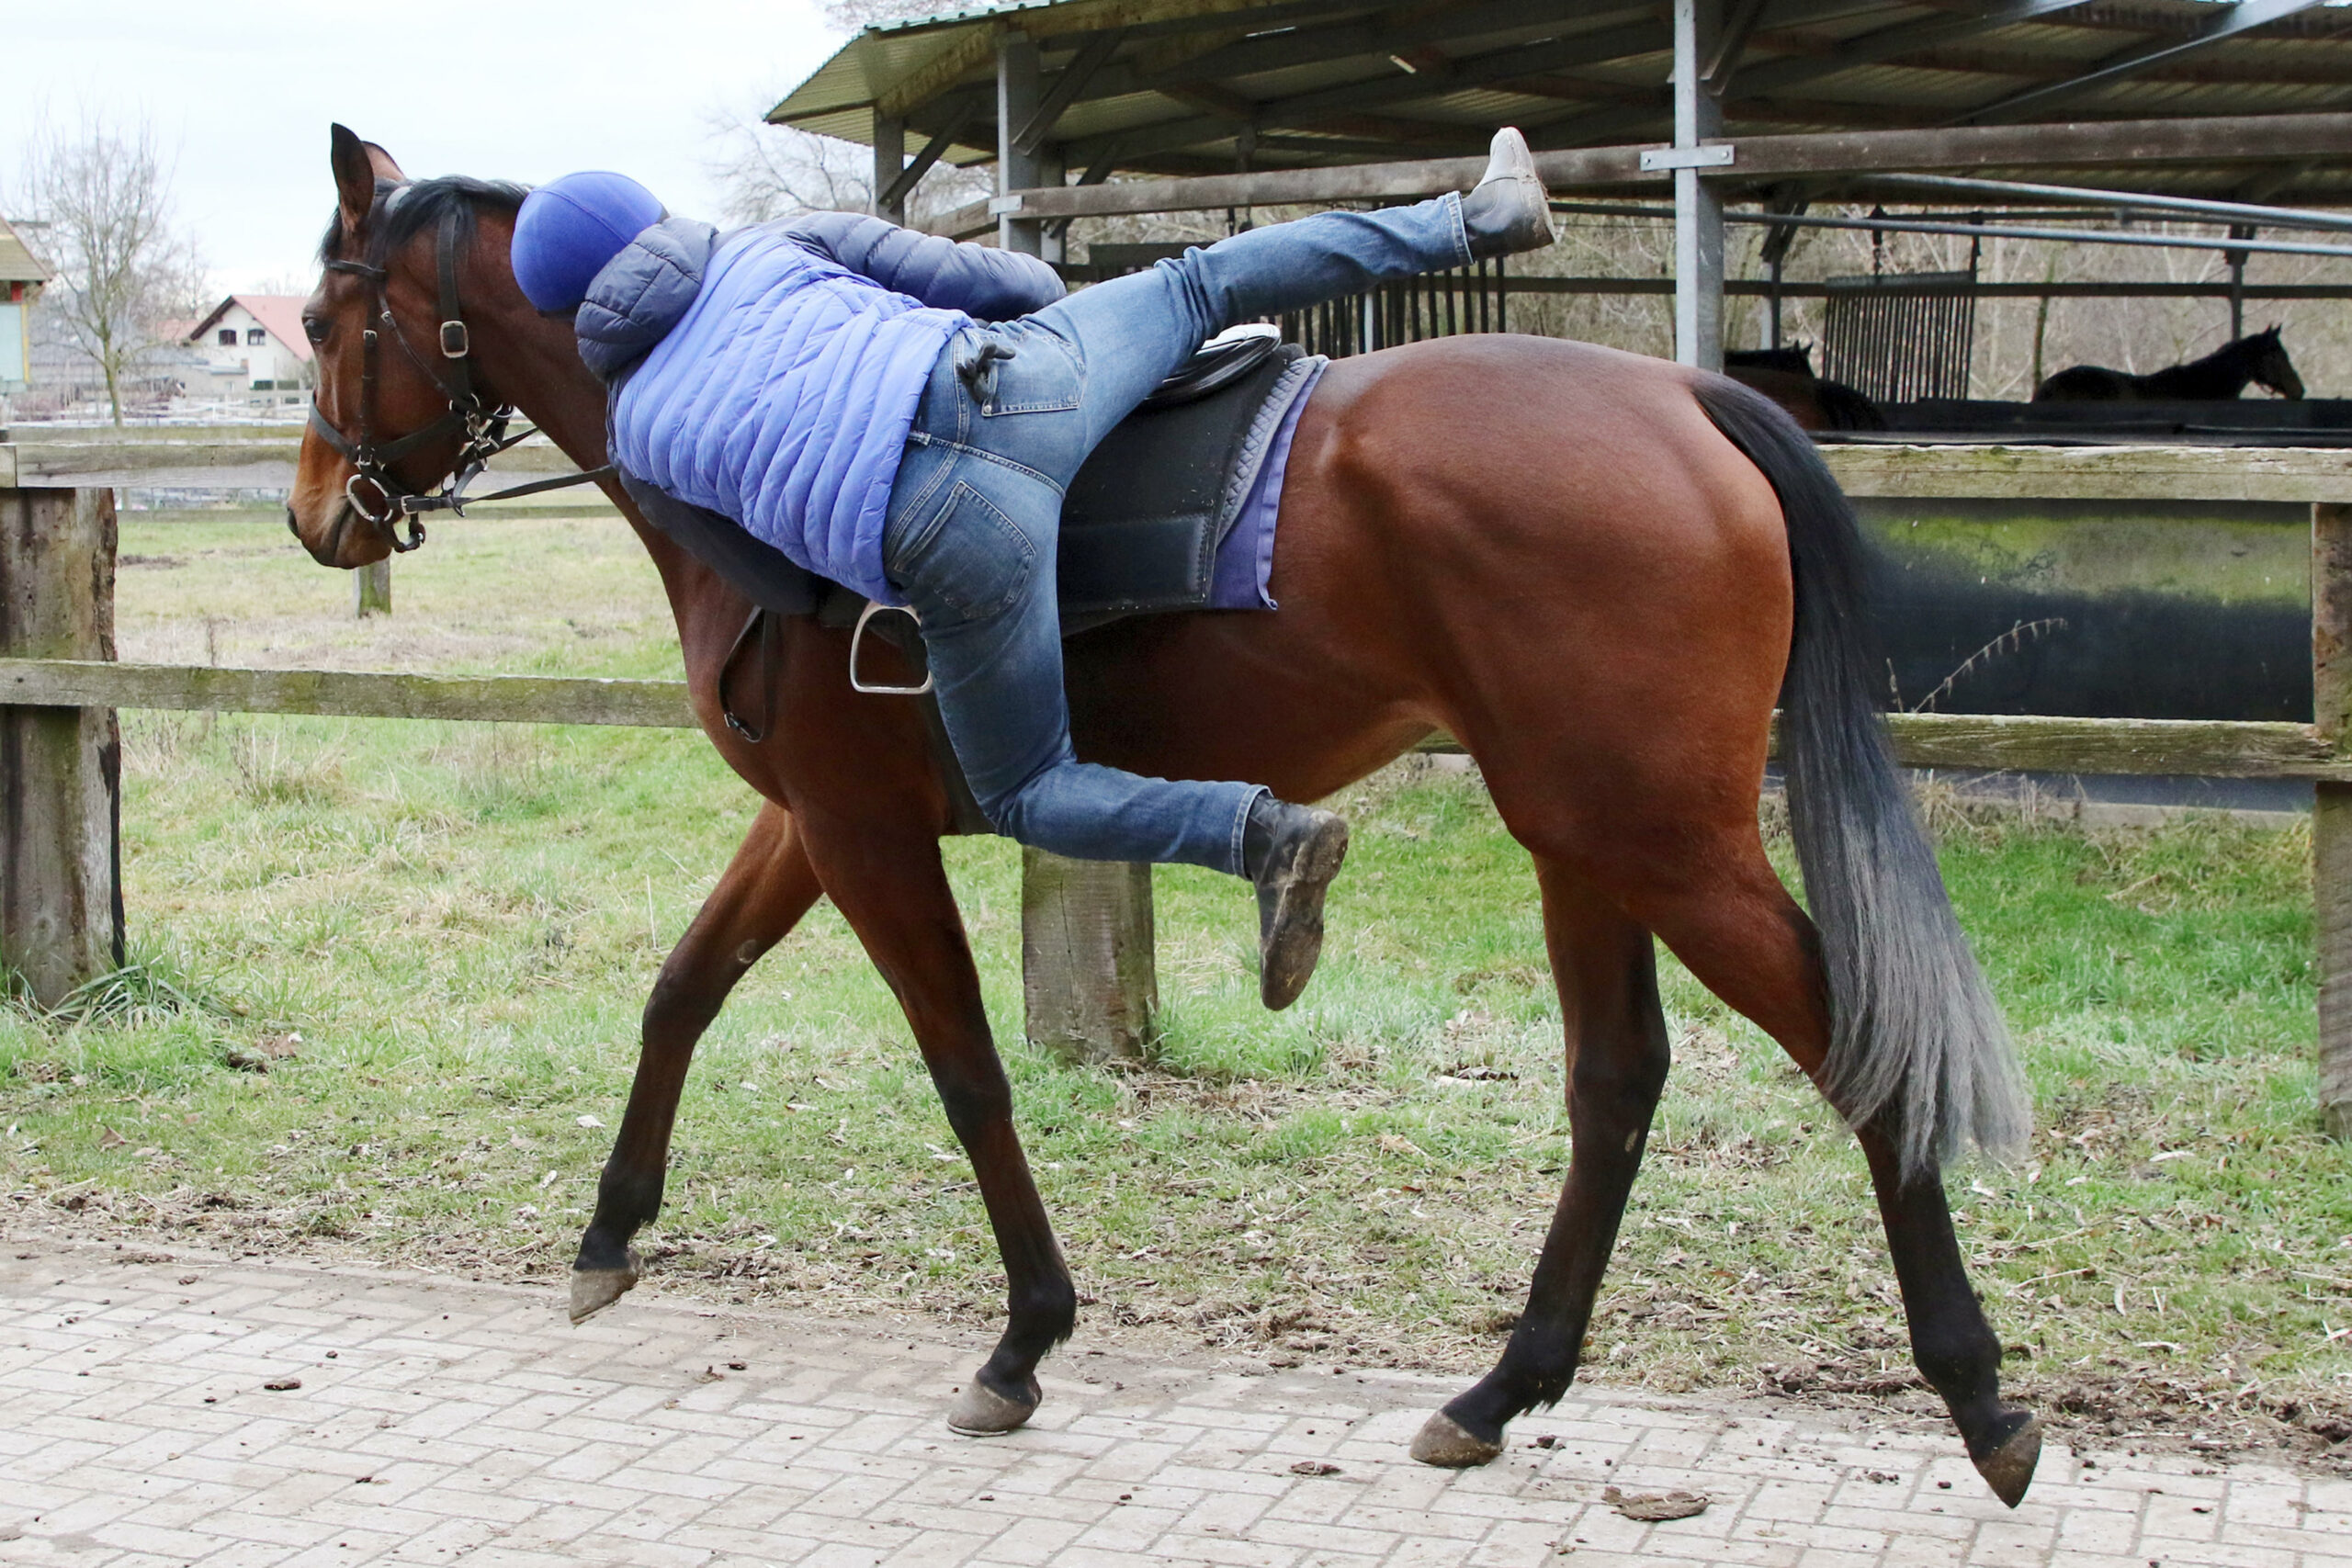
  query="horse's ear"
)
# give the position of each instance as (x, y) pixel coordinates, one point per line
(358, 166)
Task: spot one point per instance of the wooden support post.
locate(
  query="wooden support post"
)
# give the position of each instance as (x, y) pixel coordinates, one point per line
(1087, 979)
(1698, 206)
(371, 588)
(1053, 239)
(890, 161)
(1017, 82)
(2332, 807)
(61, 769)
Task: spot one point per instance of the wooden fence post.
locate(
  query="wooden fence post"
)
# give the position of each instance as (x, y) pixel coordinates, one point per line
(371, 588)
(1088, 979)
(61, 769)
(2332, 806)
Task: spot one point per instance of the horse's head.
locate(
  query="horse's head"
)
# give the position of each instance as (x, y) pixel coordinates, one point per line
(400, 399)
(2272, 369)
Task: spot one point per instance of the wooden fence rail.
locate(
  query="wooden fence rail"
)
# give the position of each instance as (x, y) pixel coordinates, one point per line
(59, 891)
(2199, 748)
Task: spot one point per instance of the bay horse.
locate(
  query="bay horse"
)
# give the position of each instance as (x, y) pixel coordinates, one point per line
(1601, 598)
(2224, 373)
(1786, 376)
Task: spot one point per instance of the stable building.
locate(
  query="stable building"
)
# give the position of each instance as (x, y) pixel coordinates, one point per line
(21, 277)
(252, 348)
(2161, 125)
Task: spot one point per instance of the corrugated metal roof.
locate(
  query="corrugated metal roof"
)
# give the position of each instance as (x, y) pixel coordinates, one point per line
(1322, 82)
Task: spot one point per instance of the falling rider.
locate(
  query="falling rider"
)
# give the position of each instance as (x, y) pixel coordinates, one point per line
(902, 414)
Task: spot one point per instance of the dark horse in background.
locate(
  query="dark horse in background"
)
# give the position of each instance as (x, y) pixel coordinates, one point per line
(2224, 373)
(1786, 376)
(1601, 597)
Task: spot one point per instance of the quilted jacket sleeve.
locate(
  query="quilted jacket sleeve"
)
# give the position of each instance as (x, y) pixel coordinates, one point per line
(985, 282)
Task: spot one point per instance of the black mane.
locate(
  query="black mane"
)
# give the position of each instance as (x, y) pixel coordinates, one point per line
(403, 211)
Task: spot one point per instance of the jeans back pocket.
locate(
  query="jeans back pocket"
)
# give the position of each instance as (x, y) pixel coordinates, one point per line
(1033, 372)
(969, 559)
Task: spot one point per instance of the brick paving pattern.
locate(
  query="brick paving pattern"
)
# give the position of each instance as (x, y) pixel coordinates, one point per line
(438, 1422)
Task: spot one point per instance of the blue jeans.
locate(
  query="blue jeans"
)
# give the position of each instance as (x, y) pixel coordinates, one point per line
(1011, 412)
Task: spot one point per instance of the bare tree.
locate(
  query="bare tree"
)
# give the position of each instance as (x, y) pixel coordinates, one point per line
(102, 194)
(766, 172)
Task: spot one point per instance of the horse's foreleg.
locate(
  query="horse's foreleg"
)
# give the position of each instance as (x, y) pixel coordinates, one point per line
(1607, 976)
(763, 894)
(894, 893)
(1748, 942)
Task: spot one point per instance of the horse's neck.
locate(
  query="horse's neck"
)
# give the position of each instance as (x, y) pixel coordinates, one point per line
(535, 362)
(2220, 374)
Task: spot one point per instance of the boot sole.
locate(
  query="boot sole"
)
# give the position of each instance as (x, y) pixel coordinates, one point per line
(1289, 960)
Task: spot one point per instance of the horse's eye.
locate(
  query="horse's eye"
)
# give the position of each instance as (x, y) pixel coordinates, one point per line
(315, 329)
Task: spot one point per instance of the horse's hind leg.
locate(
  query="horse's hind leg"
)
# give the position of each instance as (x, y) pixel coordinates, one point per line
(763, 894)
(1606, 972)
(1745, 940)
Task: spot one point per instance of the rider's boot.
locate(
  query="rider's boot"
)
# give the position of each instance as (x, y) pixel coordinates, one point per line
(1508, 212)
(1291, 852)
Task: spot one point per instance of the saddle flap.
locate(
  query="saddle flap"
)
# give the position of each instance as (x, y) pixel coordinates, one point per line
(1144, 517)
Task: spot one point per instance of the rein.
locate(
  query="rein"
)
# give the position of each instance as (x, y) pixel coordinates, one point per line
(480, 423)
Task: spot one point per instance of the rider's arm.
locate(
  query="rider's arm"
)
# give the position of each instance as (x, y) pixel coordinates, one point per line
(979, 280)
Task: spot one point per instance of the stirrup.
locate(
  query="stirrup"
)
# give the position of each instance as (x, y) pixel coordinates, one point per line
(858, 639)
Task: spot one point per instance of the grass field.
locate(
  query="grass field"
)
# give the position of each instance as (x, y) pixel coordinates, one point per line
(389, 972)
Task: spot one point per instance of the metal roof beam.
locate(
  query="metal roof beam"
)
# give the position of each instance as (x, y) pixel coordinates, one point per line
(2244, 16)
(1614, 34)
(1567, 130)
(1370, 37)
(1885, 43)
(896, 195)
(2329, 68)
(1091, 57)
(1306, 109)
(1471, 71)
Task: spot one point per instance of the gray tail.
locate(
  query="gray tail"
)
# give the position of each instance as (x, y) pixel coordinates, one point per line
(1914, 1027)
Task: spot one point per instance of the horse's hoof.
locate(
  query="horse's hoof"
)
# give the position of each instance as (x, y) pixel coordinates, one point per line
(2009, 1470)
(594, 1290)
(981, 1412)
(1443, 1443)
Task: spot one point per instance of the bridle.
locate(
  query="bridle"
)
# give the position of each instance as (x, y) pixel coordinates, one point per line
(480, 421)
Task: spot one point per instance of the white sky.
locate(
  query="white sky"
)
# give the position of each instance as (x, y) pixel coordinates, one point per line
(511, 89)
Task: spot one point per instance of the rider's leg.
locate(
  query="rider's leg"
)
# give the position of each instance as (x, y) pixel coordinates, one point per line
(1130, 333)
(970, 543)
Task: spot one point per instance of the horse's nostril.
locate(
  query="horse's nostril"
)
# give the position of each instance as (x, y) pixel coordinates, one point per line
(291, 527)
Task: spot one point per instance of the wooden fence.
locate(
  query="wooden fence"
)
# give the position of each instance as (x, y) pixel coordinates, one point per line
(1086, 929)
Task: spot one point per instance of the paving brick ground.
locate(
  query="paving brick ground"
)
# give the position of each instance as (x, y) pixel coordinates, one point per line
(439, 1421)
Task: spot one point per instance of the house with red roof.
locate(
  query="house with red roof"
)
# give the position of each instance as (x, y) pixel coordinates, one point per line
(21, 275)
(253, 349)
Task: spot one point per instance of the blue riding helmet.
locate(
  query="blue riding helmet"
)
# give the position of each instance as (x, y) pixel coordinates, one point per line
(570, 227)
